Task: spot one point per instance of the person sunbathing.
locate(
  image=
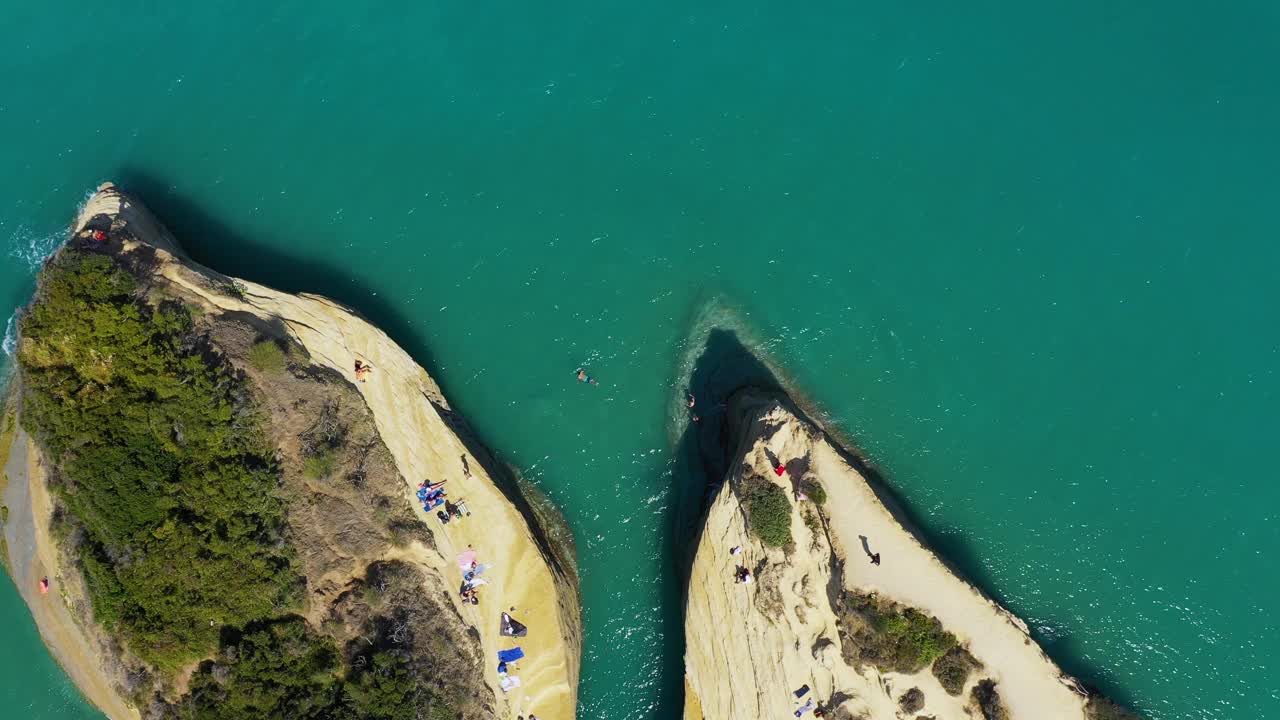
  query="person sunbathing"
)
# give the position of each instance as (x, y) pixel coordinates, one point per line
(362, 370)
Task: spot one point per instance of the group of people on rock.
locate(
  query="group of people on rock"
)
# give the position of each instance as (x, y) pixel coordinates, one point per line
(471, 582)
(432, 496)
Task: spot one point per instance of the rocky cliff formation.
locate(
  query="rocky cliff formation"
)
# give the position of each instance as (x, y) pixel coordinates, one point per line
(902, 637)
(358, 582)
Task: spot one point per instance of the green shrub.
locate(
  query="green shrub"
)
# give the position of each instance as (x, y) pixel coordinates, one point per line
(321, 465)
(768, 511)
(383, 691)
(912, 701)
(917, 636)
(890, 637)
(441, 711)
(162, 461)
(266, 356)
(985, 696)
(281, 670)
(816, 492)
(953, 668)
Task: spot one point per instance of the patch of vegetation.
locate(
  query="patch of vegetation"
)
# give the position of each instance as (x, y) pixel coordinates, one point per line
(1100, 708)
(321, 465)
(278, 670)
(396, 626)
(266, 356)
(321, 443)
(912, 700)
(987, 700)
(815, 491)
(811, 521)
(231, 288)
(890, 637)
(284, 670)
(768, 511)
(386, 690)
(953, 668)
(161, 463)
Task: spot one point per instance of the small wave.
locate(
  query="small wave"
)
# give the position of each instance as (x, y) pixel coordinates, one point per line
(31, 248)
(10, 335)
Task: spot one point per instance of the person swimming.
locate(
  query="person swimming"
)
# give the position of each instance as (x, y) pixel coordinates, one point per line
(583, 377)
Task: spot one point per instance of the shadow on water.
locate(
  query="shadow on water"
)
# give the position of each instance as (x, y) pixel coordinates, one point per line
(702, 453)
(701, 458)
(215, 243)
(698, 465)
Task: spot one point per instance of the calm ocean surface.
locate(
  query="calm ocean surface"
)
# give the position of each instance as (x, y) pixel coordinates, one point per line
(1025, 256)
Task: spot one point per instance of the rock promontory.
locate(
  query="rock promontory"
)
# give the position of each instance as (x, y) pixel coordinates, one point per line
(223, 502)
(808, 595)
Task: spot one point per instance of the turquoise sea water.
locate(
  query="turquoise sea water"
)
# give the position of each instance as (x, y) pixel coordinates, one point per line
(1024, 255)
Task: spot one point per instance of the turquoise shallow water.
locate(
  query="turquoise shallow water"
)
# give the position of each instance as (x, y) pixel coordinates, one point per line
(1024, 255)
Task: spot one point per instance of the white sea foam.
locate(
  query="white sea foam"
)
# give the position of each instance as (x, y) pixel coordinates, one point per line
(31, 248)
(10, 335)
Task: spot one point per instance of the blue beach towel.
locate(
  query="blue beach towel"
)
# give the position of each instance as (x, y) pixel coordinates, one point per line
(511, 655)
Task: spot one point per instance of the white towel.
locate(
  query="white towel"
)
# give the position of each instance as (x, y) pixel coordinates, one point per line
(510, 681)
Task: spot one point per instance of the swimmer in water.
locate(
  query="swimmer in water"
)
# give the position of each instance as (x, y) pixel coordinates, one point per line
(583, 377)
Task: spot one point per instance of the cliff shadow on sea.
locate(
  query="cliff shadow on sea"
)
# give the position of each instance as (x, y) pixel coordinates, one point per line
(726, 365)
(214, 243)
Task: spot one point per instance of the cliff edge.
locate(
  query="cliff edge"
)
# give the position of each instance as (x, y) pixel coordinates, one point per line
(360, 563)
(807, 595)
